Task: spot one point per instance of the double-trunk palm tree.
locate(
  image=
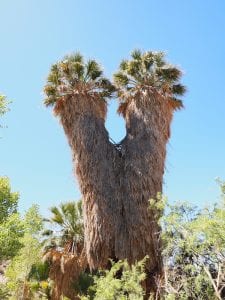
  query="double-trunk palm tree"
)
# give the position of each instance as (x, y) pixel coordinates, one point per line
(117, 181)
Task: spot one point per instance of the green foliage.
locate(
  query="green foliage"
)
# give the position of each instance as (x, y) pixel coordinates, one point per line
(4, 292)
(11, 227)
(11, 232)
(194, 247)
(149, 70)
(20, 267)
(39, 271)
(193, 242)
(120, 282)
(8, 199)
(73, 74)
(84, 284)
(27, 262)
(68, 226)
(33, 221)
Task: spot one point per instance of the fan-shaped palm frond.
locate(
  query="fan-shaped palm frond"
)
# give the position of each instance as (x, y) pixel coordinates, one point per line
(67, 222)
(149, 70)
(73, 74)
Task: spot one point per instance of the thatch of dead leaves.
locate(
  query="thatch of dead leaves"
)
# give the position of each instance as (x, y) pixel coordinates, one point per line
(65, 269)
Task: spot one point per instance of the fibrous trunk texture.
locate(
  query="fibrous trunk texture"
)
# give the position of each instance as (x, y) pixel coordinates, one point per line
(117, 181)
(83, 118)
(65, 269)
(148, 116)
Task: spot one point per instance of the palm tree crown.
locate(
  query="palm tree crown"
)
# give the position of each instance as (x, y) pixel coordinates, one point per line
(68, 218)
(149, 70)
(73, 75)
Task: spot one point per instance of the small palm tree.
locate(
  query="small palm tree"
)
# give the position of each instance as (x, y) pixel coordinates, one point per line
(69, 222)
(63, 248)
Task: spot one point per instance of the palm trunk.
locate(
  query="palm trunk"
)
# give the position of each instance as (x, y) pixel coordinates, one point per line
(83, 118)
(117, 184)
(148, 117)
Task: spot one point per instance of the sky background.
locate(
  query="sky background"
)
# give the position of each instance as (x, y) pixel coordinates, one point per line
(34, 152)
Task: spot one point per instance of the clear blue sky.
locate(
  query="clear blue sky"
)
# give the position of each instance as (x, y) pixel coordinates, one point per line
(34, 34)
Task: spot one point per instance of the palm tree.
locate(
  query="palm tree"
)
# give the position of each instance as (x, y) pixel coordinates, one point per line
(78, 92)
(63, 248)
(148, 88)
(69, 222)
(117, 180)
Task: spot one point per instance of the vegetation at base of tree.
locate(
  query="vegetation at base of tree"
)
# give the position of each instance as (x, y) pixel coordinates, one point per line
(120, 282)
(193, 250)
(193, 247)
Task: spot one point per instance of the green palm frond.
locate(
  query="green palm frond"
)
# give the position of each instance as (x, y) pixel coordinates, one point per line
(93, 70)
(57, 215)
(178, 89)
(134, 68)
(77, 69)
(68, 223)
(159, 58)
(121, 79)
(136, 54)
(149, 69)
(123, 64)
(65, 77)
(75, 57)
(96, 74)
(169, 74)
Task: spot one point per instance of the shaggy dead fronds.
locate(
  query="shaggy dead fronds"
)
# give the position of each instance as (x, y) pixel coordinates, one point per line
(91, 104)
(64, 271)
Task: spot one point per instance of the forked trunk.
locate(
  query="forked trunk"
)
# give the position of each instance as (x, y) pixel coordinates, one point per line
(117, 183)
